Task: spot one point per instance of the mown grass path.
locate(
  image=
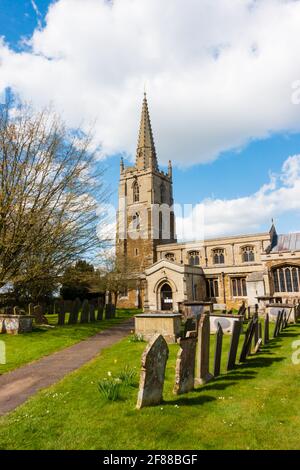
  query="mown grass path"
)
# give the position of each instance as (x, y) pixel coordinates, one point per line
(17, 386)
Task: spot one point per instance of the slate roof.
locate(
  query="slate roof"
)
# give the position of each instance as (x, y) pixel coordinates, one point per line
(287, 242)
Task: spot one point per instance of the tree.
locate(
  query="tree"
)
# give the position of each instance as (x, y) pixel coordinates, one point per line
(76, 280)
(50, 189)
(117, 275)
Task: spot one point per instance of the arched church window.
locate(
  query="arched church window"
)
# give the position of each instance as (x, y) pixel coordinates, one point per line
(194, 258)
(218, 256)
(248, 254)
(136, 221)
(136, 192)
(286, 279)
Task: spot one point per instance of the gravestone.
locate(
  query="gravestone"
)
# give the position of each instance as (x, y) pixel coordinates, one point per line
(256, 333)
(218, 351)
(107, 311)
(40, 319)
(100, 309)
(277, 323)
(92, 313)
(267, 329)
(61, 313)
(154, 360)
(248, 339)
(202, 362)
(76, 306)
(258, 345)
(185, 364)
(285, 321)
(234, 344)
(85, 312)
(30, 308)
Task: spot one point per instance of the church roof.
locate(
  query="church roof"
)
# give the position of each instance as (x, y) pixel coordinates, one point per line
(146, 153)
(287, 242)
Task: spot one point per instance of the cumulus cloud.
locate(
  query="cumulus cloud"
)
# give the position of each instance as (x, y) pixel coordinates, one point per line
(218, 73)
(217, 217)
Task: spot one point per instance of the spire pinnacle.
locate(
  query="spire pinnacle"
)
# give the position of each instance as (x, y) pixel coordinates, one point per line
(146, 153)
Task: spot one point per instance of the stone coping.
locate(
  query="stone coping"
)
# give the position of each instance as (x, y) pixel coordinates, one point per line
(158, 315)
(226, 315)
(3, 315)
(196, 302)
(280, 305)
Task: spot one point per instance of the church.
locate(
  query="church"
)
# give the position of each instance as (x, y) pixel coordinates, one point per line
(226, 271)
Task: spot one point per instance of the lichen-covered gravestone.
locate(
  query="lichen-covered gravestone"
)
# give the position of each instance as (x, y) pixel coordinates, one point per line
(154, 360)
(202, 363)
(185, 364)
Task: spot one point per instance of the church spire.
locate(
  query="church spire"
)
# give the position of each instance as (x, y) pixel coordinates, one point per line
(146, 154)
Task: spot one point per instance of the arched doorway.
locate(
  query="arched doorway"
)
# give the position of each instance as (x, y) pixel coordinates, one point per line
(166, 297)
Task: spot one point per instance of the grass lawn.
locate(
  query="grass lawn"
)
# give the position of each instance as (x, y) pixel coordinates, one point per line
(28, 347)
(256, 406)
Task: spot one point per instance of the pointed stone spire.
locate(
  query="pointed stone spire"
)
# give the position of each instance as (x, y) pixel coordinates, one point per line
(146, 154)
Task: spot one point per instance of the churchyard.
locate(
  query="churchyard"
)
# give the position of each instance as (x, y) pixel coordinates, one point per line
(250, 403)
(46, 339)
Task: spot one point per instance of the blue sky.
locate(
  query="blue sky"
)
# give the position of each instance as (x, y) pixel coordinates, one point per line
(234, 168)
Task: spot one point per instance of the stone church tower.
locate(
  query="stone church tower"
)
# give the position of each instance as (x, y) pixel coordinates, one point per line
(145, 215)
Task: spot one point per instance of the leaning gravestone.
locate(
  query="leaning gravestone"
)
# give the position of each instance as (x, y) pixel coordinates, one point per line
(218, 351)
(267, 329)
(277, 323)
(100, 309)
(85, 312)
(40, 319)
(202, 362)
(234, 344)
(185, 364)
(258, 345)
(248, 339)
(154, 360)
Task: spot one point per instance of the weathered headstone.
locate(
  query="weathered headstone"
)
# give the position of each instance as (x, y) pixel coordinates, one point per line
(258, 345)
(267, 329)
(234, 344)
(218, 351)
(74, 315)
(30, 308)
(40, 319)
(248, 339)
(277, 323)
(185, 364)
(107, 311)
(85, 312)
(100, 309)
(61, 313)
(154, 360)
(202, 361)
(92, 313)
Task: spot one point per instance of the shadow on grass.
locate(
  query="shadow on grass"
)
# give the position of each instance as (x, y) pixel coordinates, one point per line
(186, 401)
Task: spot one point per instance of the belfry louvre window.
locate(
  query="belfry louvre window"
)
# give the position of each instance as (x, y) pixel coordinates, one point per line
(218, 256)
(286, 279)
(212, 288)
(194, 258)
(136, 192)
(239, 286)
(248, 254)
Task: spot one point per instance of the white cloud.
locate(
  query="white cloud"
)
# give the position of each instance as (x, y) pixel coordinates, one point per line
(218, 73)
(245, 215)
